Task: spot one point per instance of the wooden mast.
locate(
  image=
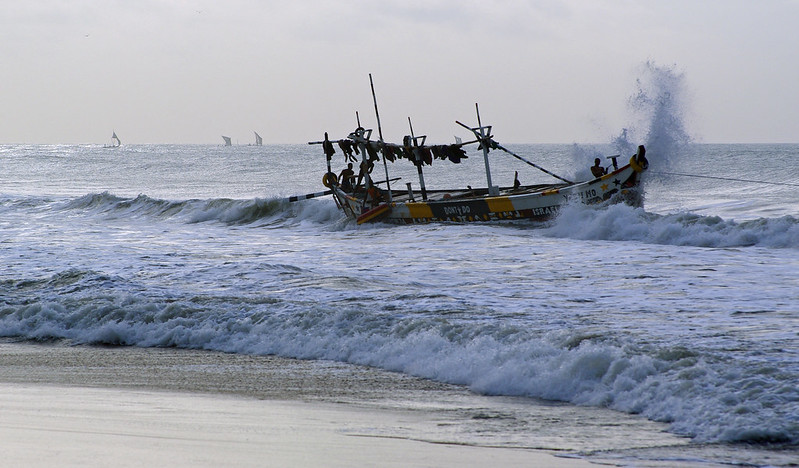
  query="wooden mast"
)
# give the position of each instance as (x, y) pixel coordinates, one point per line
(380, 134)
(418, 163)
(483, 135)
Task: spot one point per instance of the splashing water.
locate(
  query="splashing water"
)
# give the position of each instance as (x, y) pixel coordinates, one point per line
(657, 106)
(659, 98)
(622, 143)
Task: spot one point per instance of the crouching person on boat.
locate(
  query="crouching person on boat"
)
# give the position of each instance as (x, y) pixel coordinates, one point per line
(374, 206)
(597, 170)
(638, 161)
(374, 196)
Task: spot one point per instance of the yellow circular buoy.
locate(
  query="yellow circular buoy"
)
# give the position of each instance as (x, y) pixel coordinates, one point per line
(329, 179)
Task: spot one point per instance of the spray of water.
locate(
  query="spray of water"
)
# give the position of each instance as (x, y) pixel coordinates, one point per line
(657, 107)
(659, 100)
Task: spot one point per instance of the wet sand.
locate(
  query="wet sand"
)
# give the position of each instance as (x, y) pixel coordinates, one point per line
(64, 405)
(77, 426)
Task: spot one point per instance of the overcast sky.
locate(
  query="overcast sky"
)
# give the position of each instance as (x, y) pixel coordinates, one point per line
(542, 71)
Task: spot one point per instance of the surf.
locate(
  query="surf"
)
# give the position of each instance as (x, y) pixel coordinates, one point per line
(625, 223)
(233, 212)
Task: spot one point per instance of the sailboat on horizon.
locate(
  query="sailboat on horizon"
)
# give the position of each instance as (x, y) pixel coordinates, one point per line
(258, 140)
(228, 142)
(115, 141)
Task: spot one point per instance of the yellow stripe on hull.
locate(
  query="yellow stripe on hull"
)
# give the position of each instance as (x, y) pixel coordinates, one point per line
(419, 210)
(500, 204)
(538, 206)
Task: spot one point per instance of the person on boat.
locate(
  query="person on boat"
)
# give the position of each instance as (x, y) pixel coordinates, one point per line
(640, 156)
(366, 167)
(346, 178)
(374, 195)
(597, 169)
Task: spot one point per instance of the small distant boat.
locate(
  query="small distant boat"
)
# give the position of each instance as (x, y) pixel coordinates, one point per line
(227, 141)
(115, 141)
(362, 200)
(258, 140)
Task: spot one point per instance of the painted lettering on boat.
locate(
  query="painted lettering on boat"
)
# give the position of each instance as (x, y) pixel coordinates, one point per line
(444, 210)
(544, 211)
(457, 210)
(588, 194)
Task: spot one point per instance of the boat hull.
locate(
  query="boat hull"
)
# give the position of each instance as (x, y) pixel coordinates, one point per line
(621, 185)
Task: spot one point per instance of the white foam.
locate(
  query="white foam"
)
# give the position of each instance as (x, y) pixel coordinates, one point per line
(710, 401)
(261, 211)
(624, 223)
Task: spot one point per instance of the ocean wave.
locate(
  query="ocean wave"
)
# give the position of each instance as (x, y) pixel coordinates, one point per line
(704, 396)
(259, 211)
(618, 222)
(625, 223)
(12, 204)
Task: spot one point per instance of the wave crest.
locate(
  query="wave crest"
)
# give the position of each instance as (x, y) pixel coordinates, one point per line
(224, 210)
(693, 392)
(625, 223)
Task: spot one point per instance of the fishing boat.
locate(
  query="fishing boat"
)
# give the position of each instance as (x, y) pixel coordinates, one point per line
(367, 199)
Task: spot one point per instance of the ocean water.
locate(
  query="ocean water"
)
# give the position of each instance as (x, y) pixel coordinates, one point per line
(684, 312)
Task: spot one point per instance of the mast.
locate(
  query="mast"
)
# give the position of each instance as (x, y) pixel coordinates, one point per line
(380, 134)
(418, 164)
(483, 135)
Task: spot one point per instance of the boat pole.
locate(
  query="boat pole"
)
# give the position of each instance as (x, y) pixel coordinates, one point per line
(380, 134)
(325, 147)
(492, 191)
(418, 163)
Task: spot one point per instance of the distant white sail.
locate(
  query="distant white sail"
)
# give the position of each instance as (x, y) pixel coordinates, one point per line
(227, 141)
(258, 140)
(458, 140)
(115, 141)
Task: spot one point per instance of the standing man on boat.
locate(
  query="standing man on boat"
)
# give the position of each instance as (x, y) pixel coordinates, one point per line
(346, 178)
(366, 168)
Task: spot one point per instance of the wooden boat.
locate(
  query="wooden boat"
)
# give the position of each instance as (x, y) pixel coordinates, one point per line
(365, 200)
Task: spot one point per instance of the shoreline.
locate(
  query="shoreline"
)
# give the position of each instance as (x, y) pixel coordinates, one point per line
(46, 425)
(93, 406)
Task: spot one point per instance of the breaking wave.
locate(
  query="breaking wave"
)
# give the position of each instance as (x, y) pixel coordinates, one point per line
(700, 396)
(256, 211)
(576, 221)
(621, 222)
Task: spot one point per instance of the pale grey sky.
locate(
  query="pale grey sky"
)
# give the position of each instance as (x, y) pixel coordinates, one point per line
(545, 71)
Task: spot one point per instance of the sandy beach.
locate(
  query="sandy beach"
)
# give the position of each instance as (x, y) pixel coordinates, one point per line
(97, 406)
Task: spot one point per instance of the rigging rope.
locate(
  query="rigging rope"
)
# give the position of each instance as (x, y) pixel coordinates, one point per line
(725, 178)
(497, 145)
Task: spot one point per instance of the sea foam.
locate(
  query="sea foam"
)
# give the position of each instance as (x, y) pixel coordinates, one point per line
(625, 223)
(256, 211)
(705, 400)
